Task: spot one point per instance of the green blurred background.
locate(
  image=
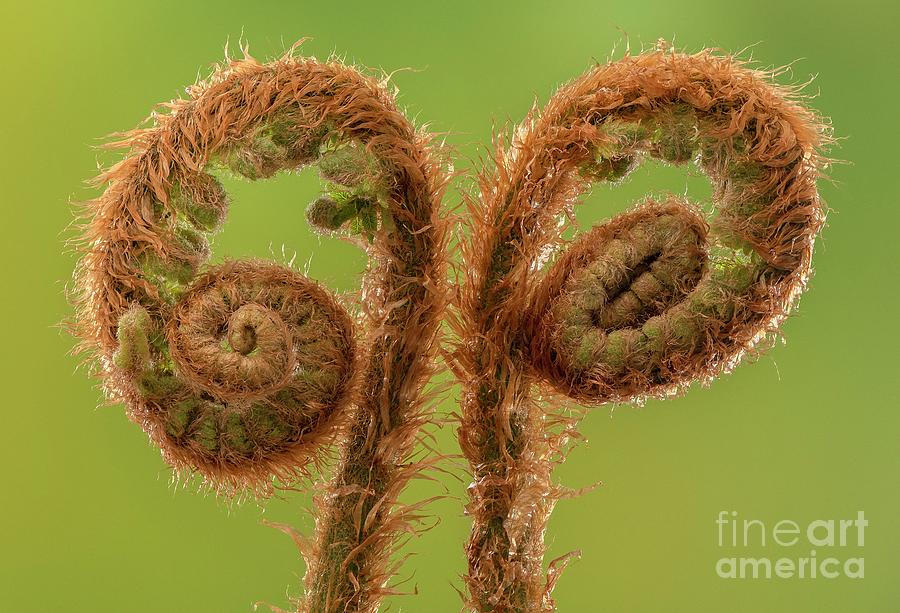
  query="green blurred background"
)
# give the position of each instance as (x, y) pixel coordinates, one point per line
(89, 517)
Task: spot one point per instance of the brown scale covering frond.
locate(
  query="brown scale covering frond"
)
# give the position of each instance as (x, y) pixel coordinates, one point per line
(640, 306)
(245, 371)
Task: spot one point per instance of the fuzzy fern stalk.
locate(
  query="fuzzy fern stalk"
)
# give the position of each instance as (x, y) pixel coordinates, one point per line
(247, 372)
(640, 306)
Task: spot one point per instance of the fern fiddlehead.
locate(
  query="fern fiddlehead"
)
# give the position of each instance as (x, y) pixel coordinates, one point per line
(639, 306)
(245, 371)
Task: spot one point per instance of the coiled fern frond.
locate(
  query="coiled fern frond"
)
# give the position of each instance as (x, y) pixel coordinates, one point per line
(639, 306)
(246, 371)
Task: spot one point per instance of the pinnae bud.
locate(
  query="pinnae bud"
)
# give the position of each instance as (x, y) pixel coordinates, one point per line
(279, 144)
(350, 166)
(328, 213)
(202, 199)
(133, 354)
(676, 136)
(325, 213)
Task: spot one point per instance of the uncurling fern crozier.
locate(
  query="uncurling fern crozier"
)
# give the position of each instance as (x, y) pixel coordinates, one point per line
(640, 306)
(246, 371)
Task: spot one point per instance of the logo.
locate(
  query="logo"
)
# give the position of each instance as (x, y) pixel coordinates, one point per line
(834, 548)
